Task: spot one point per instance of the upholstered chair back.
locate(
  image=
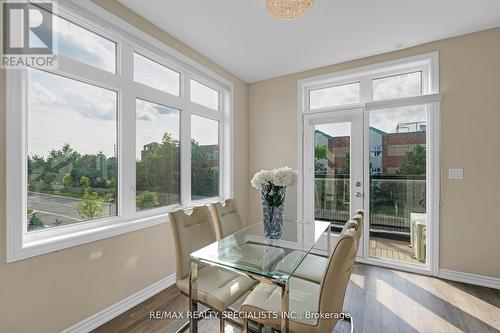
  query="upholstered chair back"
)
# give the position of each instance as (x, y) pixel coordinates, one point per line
(191, 233)
(336, 277)
(359, 218)
(226, 219)
(351, 224)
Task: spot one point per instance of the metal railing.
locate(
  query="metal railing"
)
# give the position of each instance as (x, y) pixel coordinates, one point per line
(392, 199)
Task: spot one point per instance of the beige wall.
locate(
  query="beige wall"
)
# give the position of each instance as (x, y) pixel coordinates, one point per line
(470, 110)
(51, 292)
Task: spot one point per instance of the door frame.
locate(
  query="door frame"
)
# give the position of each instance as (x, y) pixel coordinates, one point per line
(428, 64)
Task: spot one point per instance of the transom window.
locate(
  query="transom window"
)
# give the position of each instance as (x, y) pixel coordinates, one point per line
(334, 96)
(117, 135)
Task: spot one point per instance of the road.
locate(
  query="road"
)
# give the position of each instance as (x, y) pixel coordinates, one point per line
(51, 207)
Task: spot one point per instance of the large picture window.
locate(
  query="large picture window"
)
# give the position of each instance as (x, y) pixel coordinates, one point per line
(72, 144)
(120, 133)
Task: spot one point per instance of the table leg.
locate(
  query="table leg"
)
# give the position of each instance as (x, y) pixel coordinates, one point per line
(193, 293)
(284, 308)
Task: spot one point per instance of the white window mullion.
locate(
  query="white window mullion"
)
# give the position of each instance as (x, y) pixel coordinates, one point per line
(365, 90)
(126, 136)
(204, 111)
(185, 143)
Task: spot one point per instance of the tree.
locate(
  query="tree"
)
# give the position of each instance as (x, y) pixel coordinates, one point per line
(49, 178)
(414, 162)
(90, 207)
(204, 179)
(159, 169)
(147, 199)
(35, 223)
(67, 181)
(320, 153)
(111, 184)
(85, 182)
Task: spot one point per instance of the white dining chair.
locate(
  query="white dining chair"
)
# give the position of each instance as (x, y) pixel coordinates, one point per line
(263, 304)
(217, 289)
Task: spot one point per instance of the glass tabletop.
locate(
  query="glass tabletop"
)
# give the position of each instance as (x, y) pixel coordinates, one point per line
(250, 252)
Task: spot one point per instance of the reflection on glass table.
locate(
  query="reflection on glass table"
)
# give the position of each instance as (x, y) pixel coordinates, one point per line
(249, 253)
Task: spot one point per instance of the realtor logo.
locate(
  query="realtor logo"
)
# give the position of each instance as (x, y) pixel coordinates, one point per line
(28, 34)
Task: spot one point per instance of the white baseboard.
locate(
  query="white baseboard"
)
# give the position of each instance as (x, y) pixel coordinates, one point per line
(116, 309)
(480, 280)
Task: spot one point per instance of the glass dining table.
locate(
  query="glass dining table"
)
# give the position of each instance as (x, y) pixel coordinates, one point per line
(248, 252)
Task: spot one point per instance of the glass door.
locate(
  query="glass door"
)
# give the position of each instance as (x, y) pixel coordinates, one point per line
(398, 144)
(333, 167)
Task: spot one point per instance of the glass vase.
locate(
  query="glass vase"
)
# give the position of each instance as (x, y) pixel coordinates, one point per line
(273, 199)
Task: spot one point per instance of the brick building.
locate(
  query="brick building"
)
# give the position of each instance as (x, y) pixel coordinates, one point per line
(387, 150)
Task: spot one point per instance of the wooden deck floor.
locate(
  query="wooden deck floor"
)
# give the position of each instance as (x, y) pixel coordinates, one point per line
(393, 250)
(380, 300)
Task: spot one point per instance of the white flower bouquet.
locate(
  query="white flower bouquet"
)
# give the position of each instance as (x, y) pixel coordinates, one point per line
(273, 184)
(281, 177)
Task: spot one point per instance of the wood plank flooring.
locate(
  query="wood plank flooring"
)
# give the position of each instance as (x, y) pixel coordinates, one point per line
(379, 299)
(393, 250)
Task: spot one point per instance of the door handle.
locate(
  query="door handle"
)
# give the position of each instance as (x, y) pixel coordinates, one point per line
(358, 194)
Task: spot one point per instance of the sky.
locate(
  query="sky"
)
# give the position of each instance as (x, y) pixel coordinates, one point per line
(386, 120)
(62, 110)
(398, 86)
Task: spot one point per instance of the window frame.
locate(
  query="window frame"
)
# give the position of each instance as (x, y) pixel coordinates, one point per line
(22, 244)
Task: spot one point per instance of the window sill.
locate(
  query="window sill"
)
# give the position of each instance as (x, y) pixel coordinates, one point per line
(34, 245)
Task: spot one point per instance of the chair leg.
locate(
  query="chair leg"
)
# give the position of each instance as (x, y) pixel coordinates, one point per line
(222, 323)
(351, 322)
(245, 325)
(193, 323)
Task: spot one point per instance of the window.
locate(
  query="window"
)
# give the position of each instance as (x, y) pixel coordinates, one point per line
(155, 75)
(204, 95)
(157, 155)
(97, 152)
(397, 86)
(334, 96)
(82, 45)
(72, 171)
(204, 160)
(396, 120)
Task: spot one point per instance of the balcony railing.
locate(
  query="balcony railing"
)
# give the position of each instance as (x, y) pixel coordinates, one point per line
(392, 199)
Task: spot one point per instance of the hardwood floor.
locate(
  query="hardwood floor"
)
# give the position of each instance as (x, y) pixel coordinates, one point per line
(379, 299)
(392, 249)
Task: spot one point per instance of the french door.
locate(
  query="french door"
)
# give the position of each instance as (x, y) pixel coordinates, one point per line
(379, 160)
(333, 168)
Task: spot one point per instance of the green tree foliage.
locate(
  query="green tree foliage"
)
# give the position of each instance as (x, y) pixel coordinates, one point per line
(49, 177)
(90, 207)
(147, 199)
(67, 180)
(320, 153)
(111, 184)
(414, 163)
(35, 223)
(85, 182)
(159, 169)
(204, 178)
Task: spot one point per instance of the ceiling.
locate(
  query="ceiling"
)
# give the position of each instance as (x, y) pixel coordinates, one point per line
(242, 37)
